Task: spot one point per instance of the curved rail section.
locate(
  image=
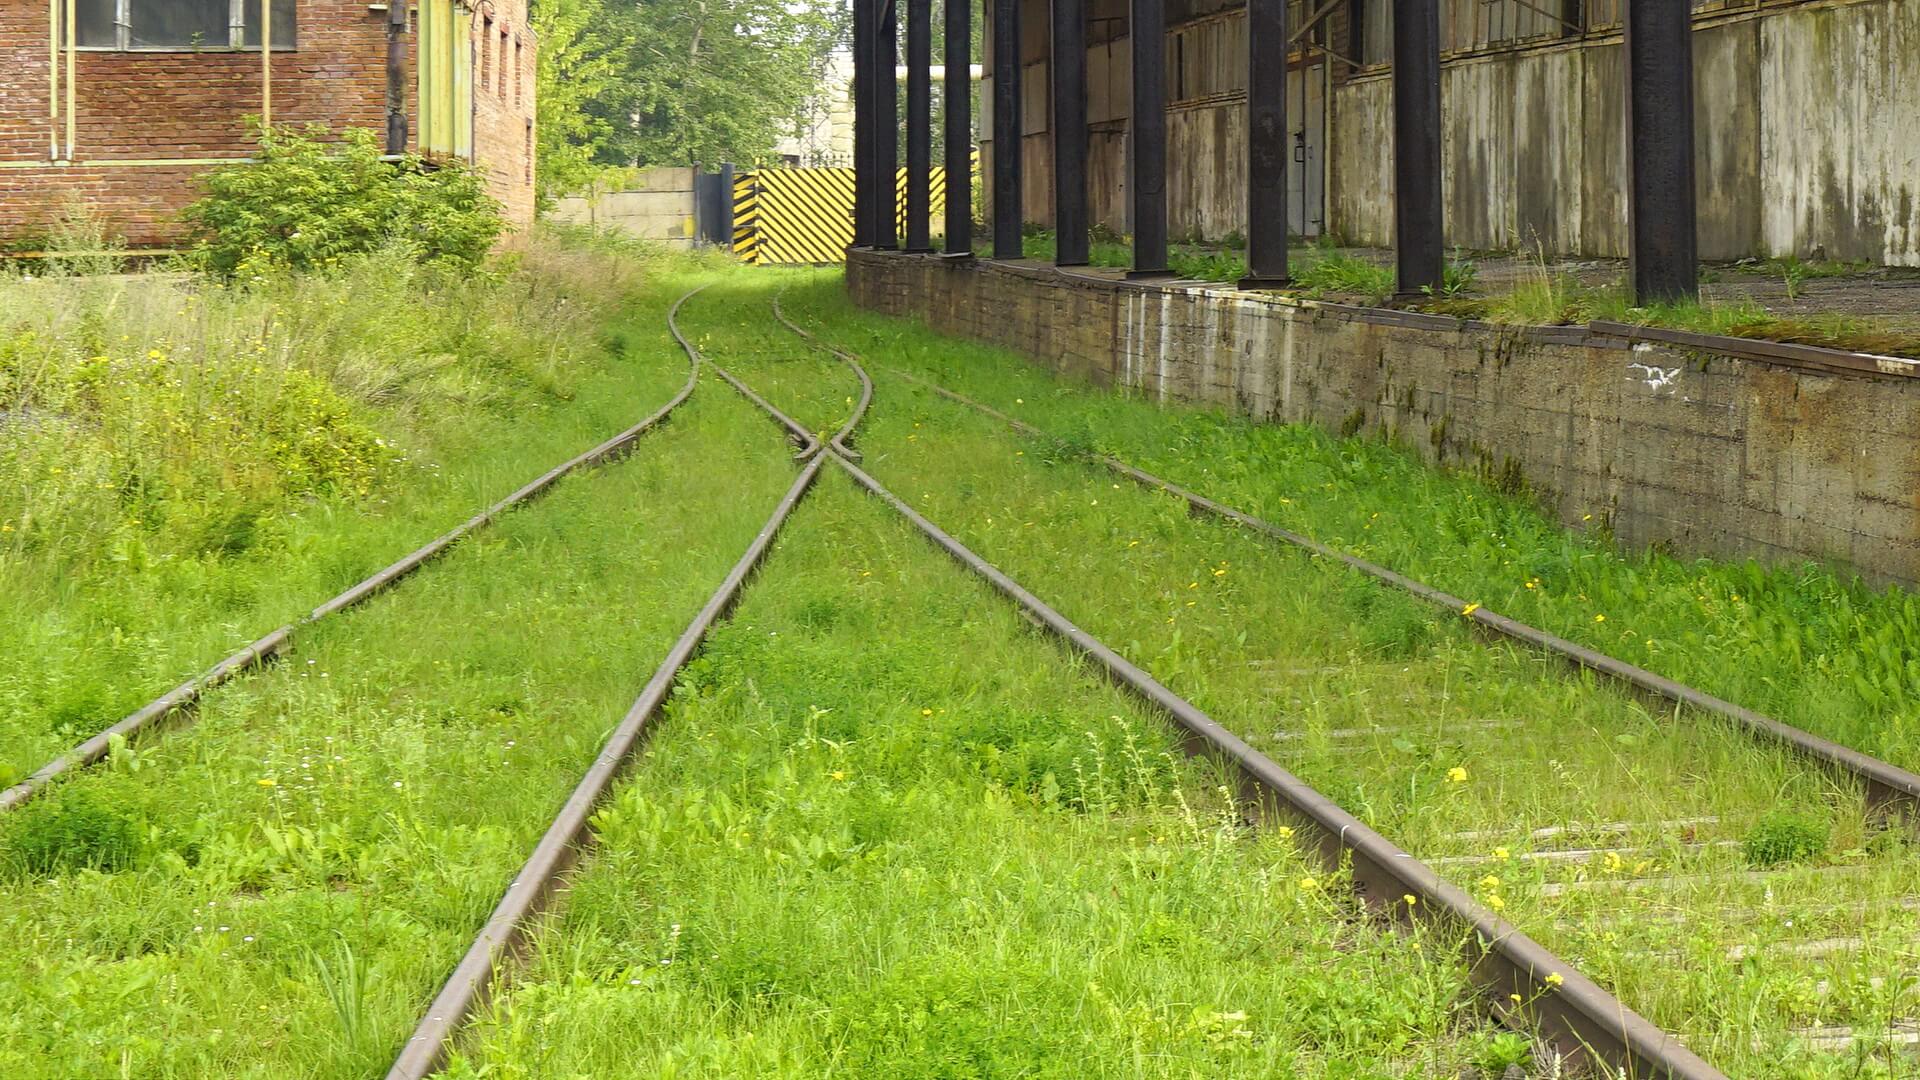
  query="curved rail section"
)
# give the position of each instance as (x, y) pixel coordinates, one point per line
(1888, 787)
(187, 694)
(527, 896)
(1563, 1005)
(839, 441)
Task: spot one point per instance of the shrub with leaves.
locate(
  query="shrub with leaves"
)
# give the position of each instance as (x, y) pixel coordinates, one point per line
(72, 832)
(311, 200)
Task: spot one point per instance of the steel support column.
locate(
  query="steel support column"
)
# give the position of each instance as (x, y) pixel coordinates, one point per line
(1147, 137)
(919, 124)
(1663, 244)
(1418, 216)
(1069, 68)
(959, 126)
(886, 131)
(863, 185)
(1268, 146)
(1006, 129)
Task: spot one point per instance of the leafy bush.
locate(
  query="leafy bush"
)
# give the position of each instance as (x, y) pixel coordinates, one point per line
(73, 832)
(1783, 838)
(310, 201)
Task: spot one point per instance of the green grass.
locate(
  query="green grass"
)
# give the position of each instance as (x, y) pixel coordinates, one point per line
(1455, 748)
(1812, 645)
(309, 860)
(886, 831)
(185, 466)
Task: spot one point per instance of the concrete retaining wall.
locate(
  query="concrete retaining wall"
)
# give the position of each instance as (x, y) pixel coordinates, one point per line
(1710, 454)
(658, 205)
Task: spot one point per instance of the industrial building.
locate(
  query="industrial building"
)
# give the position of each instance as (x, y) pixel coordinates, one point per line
(117, 107)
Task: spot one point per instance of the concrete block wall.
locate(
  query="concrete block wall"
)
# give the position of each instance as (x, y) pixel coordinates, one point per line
(656, 205)
(1708, 454)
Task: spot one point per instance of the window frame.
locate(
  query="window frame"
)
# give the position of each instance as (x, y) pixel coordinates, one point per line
(236, 33)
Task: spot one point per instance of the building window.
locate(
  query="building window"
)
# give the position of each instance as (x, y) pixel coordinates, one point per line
(179, 25)
(486, 56)
(501, 77)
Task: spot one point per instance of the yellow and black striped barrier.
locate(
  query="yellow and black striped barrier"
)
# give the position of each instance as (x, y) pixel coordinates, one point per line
(746, 212)
(795, 217)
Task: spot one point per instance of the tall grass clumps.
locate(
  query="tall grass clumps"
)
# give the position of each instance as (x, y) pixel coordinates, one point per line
(179, 452)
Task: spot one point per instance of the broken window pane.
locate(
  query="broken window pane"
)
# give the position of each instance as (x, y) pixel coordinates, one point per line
(93, 20)
(180, 24)
(282, 23)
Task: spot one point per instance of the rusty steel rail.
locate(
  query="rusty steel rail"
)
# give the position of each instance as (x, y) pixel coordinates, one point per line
(1560, 1003)
(189, 693)
(1887, 786)
(839, 440)
(526, 897)
(528, 894)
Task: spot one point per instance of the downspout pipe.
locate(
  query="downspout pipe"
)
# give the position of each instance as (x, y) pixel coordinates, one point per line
(396, 77)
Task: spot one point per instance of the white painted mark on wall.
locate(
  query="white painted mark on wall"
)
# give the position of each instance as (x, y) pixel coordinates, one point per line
(1656, 378)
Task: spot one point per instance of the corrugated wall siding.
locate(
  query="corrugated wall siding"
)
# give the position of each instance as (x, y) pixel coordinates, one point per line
(1807, 120)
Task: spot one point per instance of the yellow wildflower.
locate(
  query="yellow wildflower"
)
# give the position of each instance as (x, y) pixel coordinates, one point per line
(1496, 903)
(267, 781)
(1470, 609)
(1412, 900)
(1554, 978)
(1307, 884)
(1501, 853)
(1457, 775)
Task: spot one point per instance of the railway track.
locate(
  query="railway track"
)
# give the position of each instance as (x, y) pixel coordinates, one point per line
(1827, 940)
(531, 890)
(178, 702)
(1522, 980)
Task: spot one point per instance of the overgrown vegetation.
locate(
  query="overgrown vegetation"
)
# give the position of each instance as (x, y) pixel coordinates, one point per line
(1542, 297)
(310, 201)
(186, 464)
(318, 849)
(887, 832)
(1622, 836)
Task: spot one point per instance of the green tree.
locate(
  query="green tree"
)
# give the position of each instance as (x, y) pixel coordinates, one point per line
(675, 82)
(579, 65)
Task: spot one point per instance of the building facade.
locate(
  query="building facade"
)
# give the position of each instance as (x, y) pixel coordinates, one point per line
(118, 107)
(1807, 120)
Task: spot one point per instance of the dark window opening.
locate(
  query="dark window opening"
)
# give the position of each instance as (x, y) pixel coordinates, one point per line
(283, 24)
(180, 24)
(153, 24)
(98, 23)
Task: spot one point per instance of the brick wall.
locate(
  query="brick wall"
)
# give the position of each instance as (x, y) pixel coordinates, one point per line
(1711, 454)
(171, 105)
(503, 104)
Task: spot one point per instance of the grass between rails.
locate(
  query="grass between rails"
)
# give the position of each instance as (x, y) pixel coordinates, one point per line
(887, 831)
(1459, 750)
(1814, 646)
(278, 890)
(185, 466)
(729, 322)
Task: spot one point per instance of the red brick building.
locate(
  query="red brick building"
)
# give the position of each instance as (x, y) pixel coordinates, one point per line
(120, 105)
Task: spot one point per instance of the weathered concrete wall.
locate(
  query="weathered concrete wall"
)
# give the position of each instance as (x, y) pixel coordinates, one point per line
(1710, 454)
(657, 205)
